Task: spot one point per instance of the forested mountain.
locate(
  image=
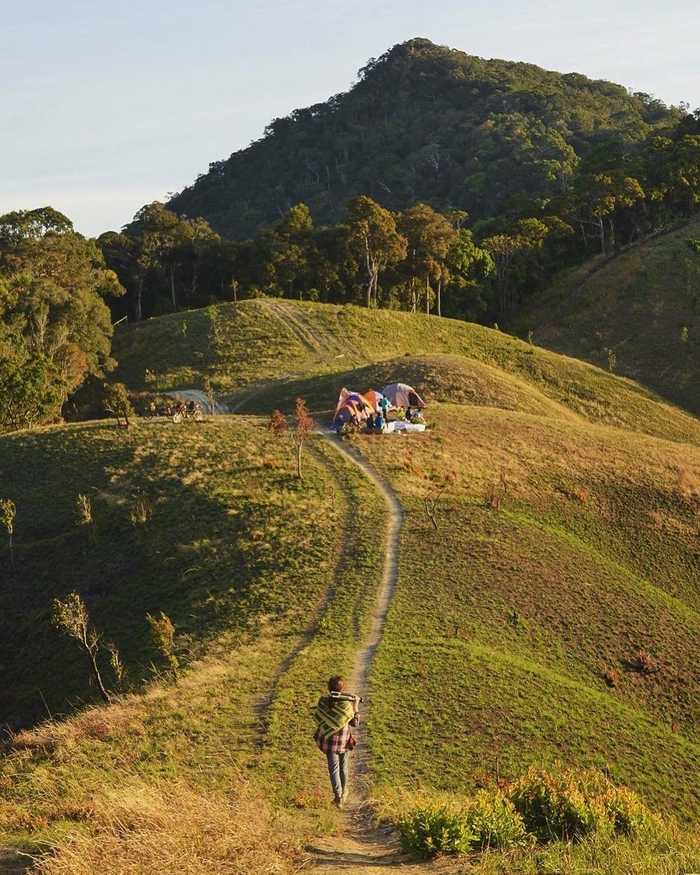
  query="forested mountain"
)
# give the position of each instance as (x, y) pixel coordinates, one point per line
(426, 123)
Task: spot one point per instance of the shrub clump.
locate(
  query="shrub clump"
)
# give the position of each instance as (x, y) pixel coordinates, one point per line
(541, 806)
(489, 820)
(569, 805)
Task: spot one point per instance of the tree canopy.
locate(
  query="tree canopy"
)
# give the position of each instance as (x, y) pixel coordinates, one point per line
(55, 328)
(427, 123)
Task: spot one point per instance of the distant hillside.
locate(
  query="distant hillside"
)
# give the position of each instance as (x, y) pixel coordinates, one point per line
(425, 123)
(263, 353)
(637, 314)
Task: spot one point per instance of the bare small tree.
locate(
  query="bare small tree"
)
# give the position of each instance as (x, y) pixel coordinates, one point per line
(436, 493)
(299, 430)
(71, 618)
(8, 512)
(209, 392)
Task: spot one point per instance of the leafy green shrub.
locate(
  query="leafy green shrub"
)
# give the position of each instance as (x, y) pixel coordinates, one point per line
(486, 821)
(432, 830)
(630, 817)
(553, 805)
(495, 822)
(572, 804)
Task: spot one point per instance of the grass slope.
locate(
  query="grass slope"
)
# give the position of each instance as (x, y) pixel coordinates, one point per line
(566, 544)
(202, 522)
(562, 551)
(643, 305)
(266, 352)
(268, 599)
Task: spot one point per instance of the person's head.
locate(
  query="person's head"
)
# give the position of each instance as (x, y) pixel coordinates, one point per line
(336, 684)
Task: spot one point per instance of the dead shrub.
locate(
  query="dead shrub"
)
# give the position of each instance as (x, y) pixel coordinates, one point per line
(496, 492)
(611, 676)
(644, 662)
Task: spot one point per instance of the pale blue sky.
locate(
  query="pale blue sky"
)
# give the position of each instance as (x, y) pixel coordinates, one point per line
(109, 105)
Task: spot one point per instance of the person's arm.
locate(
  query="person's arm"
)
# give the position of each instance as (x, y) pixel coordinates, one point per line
(356, 714)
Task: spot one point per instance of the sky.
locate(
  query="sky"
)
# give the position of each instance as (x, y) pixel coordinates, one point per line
(107, 106)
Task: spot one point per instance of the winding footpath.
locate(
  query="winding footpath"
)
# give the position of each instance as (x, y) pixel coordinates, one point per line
(362, 847)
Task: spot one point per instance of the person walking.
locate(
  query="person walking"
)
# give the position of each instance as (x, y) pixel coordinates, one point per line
(334, 718)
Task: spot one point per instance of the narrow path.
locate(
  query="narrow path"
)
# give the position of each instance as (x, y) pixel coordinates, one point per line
(360, 680)
(362, 847)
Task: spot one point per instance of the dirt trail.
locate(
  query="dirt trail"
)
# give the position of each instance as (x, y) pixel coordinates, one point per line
(362, 847)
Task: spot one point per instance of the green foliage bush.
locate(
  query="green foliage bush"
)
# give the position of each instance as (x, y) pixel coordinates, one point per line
(572, 804)
(542, 806)
(489, 820)
(435, 830)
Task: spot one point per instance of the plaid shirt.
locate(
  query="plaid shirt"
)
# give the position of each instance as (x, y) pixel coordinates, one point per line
(338, 742)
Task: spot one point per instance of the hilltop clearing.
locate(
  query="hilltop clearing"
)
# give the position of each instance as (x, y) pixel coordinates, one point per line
(262, 354)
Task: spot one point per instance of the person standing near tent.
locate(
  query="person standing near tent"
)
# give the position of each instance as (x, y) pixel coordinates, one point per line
(334, 718)
(384, 406)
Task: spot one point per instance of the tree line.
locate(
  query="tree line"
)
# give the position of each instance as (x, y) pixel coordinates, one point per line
(55, 327)
(418, 258)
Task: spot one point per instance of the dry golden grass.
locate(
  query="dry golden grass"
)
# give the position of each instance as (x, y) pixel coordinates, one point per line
(152, 830)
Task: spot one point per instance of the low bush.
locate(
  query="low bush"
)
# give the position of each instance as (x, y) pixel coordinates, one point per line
(542, 806)
(436, 830)
(569, 805)
(487, 821)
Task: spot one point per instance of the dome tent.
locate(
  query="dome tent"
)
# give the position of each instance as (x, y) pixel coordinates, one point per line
(402, 395)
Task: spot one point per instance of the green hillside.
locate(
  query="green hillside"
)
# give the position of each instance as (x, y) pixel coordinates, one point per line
(261, 354)
(548, 615)
(642, 306)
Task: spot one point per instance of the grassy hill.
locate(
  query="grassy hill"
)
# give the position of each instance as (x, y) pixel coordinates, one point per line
(637, 313)
(549, 615)
(263, 353)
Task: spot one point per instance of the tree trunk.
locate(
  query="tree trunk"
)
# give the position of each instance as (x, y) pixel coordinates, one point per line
(173, 299)
(98, 677)
(138, 304)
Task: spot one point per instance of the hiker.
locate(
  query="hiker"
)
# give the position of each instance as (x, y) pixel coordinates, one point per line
(334, 717)
(384, 406)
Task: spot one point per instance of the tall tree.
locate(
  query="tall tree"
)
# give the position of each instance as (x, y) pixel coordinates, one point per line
(55, 328)
(429, 236)
(599, 198)
(372, 234)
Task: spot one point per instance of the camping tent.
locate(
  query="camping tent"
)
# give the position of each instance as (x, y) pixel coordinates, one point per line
(401, 395)
(359, 402)
(373, 398)
(352, 407)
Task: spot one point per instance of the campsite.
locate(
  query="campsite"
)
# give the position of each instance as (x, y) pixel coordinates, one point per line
(397, 409)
